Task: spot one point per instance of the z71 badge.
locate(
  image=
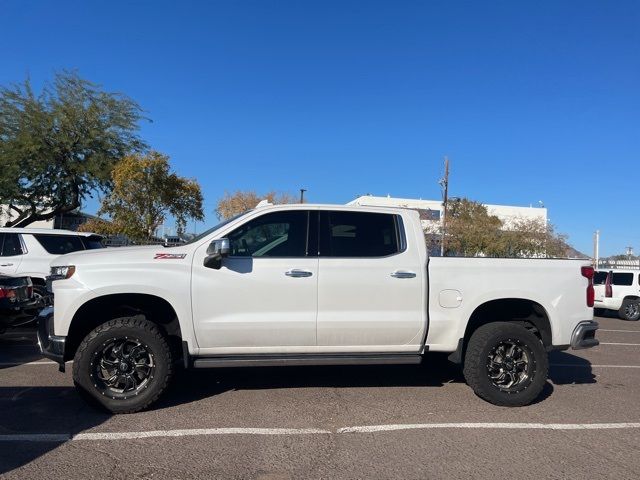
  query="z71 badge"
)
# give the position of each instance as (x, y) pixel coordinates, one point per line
(169, 256)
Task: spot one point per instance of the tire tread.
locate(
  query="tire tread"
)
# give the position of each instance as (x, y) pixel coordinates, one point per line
(137, 322)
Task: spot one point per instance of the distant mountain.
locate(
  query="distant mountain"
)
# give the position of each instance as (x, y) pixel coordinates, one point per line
(573, 253)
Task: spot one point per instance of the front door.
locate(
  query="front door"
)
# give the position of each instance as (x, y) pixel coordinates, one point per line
(264, 297)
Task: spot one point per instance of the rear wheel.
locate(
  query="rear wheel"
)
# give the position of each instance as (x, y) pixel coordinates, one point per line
(630, 309)
(123, 365)
(506, 364)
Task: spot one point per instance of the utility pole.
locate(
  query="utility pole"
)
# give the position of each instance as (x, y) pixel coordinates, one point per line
(596, 248)
(444, 183)
(302, 190)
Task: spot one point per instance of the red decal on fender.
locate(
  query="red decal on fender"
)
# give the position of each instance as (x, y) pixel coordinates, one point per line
(169, 256)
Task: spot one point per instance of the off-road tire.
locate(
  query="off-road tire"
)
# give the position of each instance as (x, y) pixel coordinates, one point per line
(476, 369)
(630, 309)
(137, 327)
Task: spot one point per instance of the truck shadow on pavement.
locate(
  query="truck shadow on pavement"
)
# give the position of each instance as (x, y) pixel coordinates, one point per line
(59, 410)
(435, 371)
(567, 369)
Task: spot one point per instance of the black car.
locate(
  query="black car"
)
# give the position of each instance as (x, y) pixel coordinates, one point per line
(17, 303)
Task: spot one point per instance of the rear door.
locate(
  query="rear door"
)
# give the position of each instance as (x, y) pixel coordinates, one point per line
(371, 284)
(11, 252)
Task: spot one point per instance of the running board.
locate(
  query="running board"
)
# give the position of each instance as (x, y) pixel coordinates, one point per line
(297, 360)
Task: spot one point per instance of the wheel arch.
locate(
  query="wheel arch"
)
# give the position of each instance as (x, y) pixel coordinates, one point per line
(101, 309)
(521, 311)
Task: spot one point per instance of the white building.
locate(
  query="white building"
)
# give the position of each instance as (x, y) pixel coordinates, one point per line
(431, 210)
(6, 215)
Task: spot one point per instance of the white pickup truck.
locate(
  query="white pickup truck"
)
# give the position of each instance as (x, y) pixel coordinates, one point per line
(310, 285)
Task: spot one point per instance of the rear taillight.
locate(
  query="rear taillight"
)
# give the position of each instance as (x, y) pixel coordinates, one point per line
(588, 272)
(608, 287)
(7, 293)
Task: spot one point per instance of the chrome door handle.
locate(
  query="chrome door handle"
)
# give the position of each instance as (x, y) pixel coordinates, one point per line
(6, 264)
(403, 274)
(297, 273)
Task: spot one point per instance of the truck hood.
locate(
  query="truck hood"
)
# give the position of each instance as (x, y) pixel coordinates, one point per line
(117, 255)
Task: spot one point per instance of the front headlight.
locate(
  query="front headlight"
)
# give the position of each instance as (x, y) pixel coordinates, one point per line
(64, 272)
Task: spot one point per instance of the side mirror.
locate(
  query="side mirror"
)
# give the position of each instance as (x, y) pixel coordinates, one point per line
(216, 251)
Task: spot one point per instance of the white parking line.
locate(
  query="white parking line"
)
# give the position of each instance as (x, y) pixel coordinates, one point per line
(508, 426)
(66, 437)
(623, 344)
(100, 436)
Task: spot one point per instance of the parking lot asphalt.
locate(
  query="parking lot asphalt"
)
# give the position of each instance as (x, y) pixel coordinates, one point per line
(330, 422)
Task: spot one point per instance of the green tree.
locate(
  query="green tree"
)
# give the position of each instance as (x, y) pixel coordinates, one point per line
(235, 203)
(59, 147)
(533, 237)
(145, 191)
(471, 231)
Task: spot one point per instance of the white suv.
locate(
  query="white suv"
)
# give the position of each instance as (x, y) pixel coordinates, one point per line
(618, 290)
(29, 251)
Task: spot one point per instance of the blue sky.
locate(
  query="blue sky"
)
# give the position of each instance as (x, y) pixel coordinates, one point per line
(530, 100)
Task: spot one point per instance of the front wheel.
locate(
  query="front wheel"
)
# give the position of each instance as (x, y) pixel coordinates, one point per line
(506, 364)
(123, 365)
(630, 309)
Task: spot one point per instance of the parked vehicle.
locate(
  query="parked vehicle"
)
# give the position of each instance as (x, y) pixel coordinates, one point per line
(310, 284)
(16, 301)
(618, 291)
(29, 251)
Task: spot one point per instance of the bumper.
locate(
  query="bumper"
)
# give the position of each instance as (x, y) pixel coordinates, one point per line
(51, 346)
(584, 335)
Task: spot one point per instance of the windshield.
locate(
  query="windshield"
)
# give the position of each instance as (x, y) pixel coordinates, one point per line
(213, 229)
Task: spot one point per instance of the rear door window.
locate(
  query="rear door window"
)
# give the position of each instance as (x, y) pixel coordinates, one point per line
(358, 234)
(10, 245)
(60, 244)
